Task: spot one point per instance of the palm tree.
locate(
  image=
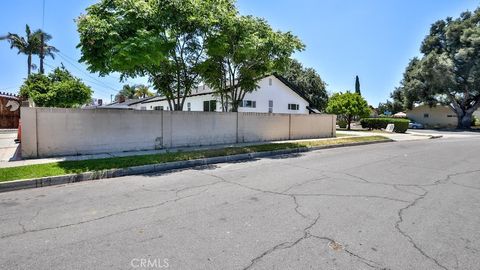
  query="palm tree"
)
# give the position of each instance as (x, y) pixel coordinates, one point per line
(47, 49)
(127, 92)
(142, 91)
(30, 45)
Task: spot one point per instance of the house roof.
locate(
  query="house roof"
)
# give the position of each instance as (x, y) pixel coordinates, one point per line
(161, 98)
(9, 96)
(279, 77)
(293, 87)
(129, 102)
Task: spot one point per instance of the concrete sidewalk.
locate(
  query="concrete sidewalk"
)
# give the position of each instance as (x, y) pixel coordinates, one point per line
(409, 136)
(16, 163)
(9, 150)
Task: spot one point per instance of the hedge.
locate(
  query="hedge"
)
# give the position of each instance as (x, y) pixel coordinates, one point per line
(401, 125)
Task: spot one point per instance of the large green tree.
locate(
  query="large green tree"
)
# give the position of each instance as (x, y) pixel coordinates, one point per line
(161, 39)
(448, 72)
(394, 106)
(241, 52)
(58, 89)
(347, 106)
(31, 45)
(309, 82)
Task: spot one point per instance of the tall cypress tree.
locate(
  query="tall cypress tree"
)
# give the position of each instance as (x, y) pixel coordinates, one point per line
(357, 86)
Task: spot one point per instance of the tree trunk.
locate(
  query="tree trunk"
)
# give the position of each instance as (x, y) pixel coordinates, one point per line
(29, 63)
(464, 120)
(42, 53)
(349, 121)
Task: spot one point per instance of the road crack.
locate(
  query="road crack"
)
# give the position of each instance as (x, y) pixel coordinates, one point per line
(24, 231)
(283, 245)
(400, 214)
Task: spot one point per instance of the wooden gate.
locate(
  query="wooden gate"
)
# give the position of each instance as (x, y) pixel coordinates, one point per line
(9, 110)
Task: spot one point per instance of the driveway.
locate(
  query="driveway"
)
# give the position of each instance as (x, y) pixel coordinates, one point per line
(8, 147)
(446, 133)
(402, 205)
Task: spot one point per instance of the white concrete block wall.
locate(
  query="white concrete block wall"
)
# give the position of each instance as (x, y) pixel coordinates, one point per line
(199, 128)
(55, 132)
(254, 127)
(77, 131)
(312, 126)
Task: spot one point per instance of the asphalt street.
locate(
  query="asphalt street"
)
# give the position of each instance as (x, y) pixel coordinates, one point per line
(401, 205)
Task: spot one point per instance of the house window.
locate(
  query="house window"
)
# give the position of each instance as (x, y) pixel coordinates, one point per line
(209, 105)
(270, 106)
(293, 107)
(270, 82)
(426, 115)
(451, 115)
(189, 106)
(143, 108)
(158, 108)
(248, 103)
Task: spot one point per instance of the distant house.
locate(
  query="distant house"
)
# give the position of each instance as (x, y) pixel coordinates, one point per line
(122, 104)
(436, 116)
(274, 95)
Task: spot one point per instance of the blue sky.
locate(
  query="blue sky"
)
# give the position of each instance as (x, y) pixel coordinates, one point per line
(373, 39)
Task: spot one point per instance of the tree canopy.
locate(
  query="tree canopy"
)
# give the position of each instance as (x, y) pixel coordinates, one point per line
(347, 106)
(134, 91)
(57, 89)
(448, 72)
(161, 39)
(178, 43)
(142, 91)
(128, 92)
(242, 52)
(309, 82)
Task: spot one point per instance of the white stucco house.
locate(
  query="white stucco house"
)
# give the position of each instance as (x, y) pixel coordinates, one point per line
(274, 95)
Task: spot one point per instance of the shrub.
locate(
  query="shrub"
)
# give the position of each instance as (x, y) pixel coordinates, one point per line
(401, 125)
(475, 121)
(342, 123)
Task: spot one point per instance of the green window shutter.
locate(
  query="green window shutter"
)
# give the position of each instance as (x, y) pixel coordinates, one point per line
(206, 106)
(213, 105)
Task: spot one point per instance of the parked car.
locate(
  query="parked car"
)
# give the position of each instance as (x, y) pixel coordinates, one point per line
(415, 125)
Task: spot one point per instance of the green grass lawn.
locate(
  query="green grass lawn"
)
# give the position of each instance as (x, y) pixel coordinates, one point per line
(75, 167)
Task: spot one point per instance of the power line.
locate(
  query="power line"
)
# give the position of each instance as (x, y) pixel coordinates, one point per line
(75, 61)
(98, 82)
(108, 92)
(43, 16)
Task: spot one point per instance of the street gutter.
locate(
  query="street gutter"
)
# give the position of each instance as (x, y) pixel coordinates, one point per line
(161, 167)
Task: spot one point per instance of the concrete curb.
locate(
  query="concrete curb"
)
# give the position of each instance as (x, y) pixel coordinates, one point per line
(155, 168)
